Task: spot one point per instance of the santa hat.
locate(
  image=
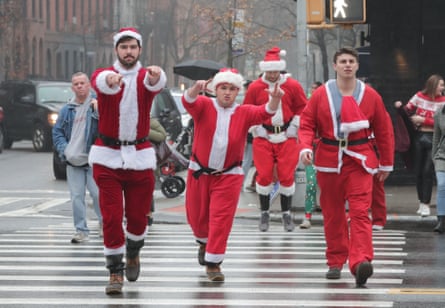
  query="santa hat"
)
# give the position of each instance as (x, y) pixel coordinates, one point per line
(272, 60)
(352, 118)
(130, 32)
(226, 75)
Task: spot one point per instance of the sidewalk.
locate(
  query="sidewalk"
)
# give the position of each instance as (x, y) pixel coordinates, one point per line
(401, 202)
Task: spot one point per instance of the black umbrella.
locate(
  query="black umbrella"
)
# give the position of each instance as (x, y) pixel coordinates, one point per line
(200, 69)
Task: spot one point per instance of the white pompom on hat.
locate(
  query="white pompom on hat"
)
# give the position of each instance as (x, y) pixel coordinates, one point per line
(352, 118)
(272, 60)
(226, 75)
(131, 32)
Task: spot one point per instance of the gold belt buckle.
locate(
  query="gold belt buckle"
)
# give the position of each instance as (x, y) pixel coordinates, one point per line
(343, 143)
(277, 129)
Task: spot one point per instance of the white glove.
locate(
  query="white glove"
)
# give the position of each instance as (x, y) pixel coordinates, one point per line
(291, 131)
(260, 131)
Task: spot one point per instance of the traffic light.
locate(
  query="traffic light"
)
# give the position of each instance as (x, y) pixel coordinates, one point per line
(348, 11)
(315, 12)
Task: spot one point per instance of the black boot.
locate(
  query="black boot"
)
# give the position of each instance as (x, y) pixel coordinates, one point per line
(286, 204)
(116, 267)
(133, 263)
(264, 219)
(440, 227)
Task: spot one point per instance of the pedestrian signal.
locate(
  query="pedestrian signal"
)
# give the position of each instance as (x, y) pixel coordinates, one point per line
(315, 12)
(348, 11)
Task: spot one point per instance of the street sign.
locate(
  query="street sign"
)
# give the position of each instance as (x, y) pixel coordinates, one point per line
(348, 11)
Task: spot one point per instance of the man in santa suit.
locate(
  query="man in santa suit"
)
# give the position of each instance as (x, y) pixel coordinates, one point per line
(276, 138)
(343, 113)
(215, 175)
(122, 157)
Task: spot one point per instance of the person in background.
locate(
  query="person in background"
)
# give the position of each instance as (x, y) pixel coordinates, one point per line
(276, 137)
(378, 204)
(438, 154)
(215, 176)
(343, 113)
(157, 134)
(421, 108)
(73, 134)
(310, 198)
(248, 158)
(122, 157)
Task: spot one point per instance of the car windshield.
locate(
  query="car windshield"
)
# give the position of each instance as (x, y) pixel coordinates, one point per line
(60, 93)
(177, 97)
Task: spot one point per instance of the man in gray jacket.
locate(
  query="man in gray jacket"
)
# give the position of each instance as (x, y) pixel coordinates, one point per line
(73, 135)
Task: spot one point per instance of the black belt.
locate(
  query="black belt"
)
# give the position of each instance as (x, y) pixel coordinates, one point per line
(108, 141)
(276, 129)
(344, 142)
(196, 174)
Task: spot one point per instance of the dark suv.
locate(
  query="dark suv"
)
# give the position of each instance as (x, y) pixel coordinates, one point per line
(163, 109)
(1, 129)
(31, 109)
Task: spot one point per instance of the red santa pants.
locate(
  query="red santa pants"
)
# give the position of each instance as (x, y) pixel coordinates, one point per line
(353, 184)
(115, 185)
(284, 155)
(378, 206)
(211, 203)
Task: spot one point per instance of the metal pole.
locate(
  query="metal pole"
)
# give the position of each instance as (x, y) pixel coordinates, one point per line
(301, 50)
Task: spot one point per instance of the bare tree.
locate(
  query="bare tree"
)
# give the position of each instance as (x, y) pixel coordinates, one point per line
(12, 44)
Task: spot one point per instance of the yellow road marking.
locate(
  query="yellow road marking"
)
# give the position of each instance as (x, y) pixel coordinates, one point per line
(417, 291)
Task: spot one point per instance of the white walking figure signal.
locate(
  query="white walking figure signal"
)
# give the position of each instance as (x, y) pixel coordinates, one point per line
(340, 6)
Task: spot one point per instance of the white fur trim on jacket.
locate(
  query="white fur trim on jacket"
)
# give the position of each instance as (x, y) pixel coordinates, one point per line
(116, 159)
(287, 191)
(101, 82)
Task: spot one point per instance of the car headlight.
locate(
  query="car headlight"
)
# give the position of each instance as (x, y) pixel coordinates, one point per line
(52, 118)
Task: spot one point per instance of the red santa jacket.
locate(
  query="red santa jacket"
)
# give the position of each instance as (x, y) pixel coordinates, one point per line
(124, 115)
(220, 133)
(292, 103)
(319, 118)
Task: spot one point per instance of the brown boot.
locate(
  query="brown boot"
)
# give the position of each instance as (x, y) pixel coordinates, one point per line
(214, 272)
(116, 266)
(115, 284)
(133, 267)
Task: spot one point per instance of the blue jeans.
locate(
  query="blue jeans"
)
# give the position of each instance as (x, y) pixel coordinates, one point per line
(79, 179)
(440, 194)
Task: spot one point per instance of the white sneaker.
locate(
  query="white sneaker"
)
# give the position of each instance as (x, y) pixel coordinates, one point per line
(79, 237)
(377, 227)
(419, 210)
(306, 224)
(425, 211)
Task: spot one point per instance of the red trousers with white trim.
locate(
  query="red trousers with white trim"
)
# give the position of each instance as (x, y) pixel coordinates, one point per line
(115, 185)
(285, 155)
(211, 202)
(378, 205)
(353, 184)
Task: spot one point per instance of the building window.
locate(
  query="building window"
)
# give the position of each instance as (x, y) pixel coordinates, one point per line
(48, 14)
(57, 15)
(33, 9)
(41, 9)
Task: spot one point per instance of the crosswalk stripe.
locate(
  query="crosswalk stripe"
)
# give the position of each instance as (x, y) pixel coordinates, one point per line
(273, 269)
(198, 302)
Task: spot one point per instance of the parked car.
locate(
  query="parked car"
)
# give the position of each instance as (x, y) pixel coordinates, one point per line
(31, 109)
(163, 109)
(1, 130)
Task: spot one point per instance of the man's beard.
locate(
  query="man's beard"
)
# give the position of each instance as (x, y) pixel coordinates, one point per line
(127, 64)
